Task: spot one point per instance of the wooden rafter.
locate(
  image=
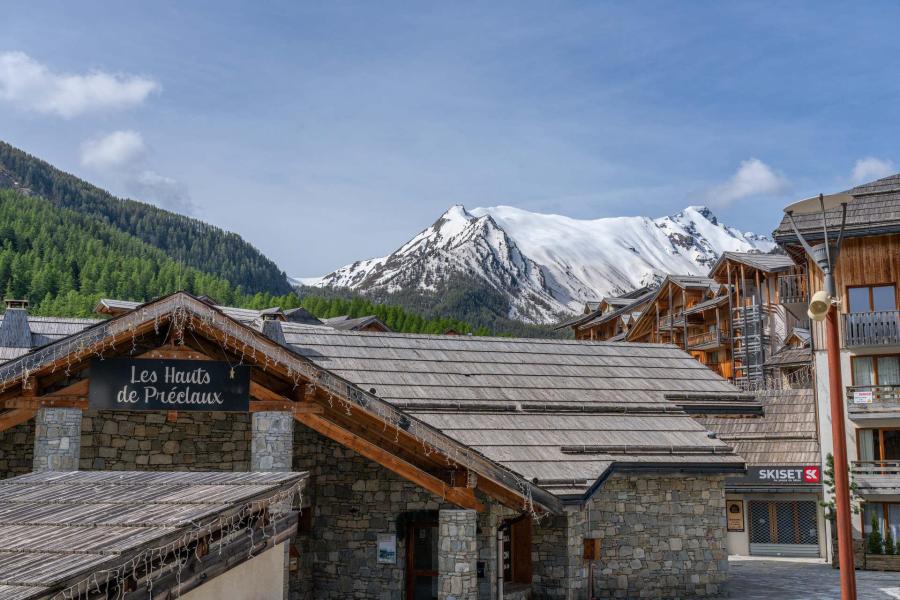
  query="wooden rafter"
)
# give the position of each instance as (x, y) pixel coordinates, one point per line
(14, 417)
(463, 497)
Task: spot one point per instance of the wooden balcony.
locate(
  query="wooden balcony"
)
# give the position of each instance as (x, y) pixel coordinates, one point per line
(707, 340)
(876, 477)
(670, 321)
(873, 402)
(792, 289)
(876, 467)
(881, 328)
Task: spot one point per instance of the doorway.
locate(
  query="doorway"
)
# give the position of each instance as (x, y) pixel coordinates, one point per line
(422, 560)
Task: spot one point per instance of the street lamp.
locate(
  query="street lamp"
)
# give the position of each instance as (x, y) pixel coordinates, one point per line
(823, 306)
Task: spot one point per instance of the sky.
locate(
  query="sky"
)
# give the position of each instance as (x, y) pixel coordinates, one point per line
(329, 132)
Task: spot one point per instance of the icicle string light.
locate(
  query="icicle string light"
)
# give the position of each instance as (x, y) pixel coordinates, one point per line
(154, 563)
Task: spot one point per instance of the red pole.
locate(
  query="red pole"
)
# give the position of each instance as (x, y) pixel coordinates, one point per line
(841, 475)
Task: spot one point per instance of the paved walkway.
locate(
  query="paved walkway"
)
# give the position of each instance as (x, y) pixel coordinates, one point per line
(803, 579)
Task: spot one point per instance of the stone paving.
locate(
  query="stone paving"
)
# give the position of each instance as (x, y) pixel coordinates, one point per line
(803, 579)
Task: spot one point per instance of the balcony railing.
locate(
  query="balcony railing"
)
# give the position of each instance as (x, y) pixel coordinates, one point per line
(710, 339)
(670, 321)
(881, 328)
(792, 289)
(875, 467)
(872, 401)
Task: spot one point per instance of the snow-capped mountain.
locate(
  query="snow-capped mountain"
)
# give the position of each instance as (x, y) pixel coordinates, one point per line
(547, 265)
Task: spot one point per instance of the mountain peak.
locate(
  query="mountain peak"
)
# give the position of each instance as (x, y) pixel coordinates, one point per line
(703, 211)
(544, 265)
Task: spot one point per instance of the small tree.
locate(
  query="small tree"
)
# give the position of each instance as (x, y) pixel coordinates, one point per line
(875, 542)
(828, 480)
(889, 542)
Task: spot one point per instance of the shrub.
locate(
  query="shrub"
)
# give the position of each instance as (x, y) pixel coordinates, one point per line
(875, 542)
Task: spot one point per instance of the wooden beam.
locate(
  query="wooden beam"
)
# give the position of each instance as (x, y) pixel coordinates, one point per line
(16, 416)
(460, 496)
(36, 402)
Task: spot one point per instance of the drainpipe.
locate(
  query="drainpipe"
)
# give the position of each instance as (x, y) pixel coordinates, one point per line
(498, 572)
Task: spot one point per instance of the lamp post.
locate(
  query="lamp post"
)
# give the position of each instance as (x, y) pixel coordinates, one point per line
(824, 306)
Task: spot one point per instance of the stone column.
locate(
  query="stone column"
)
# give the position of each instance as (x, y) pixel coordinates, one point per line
(457, 555)
(272, 449)
(57, 439)
(272, 446)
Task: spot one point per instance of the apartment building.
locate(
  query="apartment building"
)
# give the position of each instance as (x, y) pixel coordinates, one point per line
(867, 272)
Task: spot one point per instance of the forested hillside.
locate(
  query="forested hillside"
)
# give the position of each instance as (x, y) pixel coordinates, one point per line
(63, 261)
(190, 241)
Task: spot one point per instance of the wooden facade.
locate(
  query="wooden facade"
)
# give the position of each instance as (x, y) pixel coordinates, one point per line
(732, 321)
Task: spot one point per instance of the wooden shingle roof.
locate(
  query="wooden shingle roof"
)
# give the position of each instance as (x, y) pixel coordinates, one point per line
(560, 413)
(875, 210)
(786, 435)
(58, 529)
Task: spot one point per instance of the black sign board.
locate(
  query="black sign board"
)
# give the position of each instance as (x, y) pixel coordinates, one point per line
(153, 384)
(779, 475)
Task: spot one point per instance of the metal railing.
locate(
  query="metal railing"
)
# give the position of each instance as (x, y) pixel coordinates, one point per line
(880, 328)
(708, 338)
(875, 467)
(865, 395)
(792, 289)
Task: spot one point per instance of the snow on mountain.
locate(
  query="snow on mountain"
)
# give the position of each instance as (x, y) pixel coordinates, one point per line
(548, 265)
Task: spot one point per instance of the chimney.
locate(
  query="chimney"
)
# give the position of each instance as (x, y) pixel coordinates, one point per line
(15, 331)
(14, 303)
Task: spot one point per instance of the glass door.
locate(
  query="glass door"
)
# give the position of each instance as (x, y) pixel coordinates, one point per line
(422, 561)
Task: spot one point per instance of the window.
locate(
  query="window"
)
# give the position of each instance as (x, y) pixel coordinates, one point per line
(888, 515)
(878, 444)
(871, 298)
(876, 370)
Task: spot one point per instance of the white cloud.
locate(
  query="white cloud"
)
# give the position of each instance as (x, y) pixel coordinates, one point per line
(753, 178)
(165, 192)
(118, 149)
(30, 85)
(871, 168)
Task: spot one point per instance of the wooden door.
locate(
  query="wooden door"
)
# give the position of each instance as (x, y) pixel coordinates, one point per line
(422, 561)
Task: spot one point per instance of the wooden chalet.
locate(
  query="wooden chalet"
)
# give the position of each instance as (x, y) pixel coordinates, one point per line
(609, 319)
(481, 467)
(668, 317)
(757, 317)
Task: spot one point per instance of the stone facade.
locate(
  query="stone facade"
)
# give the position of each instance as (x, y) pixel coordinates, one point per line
(138, 441)
(352, 500)
(663, 536)
(57, 439)
(17, 450)
(272, 441)
(457, 555)
(558, 566)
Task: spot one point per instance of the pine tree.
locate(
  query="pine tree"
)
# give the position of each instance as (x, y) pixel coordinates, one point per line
(875, 542)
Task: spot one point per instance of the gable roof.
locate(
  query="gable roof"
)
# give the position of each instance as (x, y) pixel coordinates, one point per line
(687, 282)
(561, 413)
(875, 210)
(767, 263)
(185, 312)
(58, 530)
(345, 323)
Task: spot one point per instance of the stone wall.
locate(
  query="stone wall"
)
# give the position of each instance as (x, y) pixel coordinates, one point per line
(662, 536)
(196, 441)
(352, 500)
(57, 439)
(457, 555)
(558, 566)
(17, 450)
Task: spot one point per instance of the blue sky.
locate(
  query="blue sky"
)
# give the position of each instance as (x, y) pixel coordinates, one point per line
(329, 132)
